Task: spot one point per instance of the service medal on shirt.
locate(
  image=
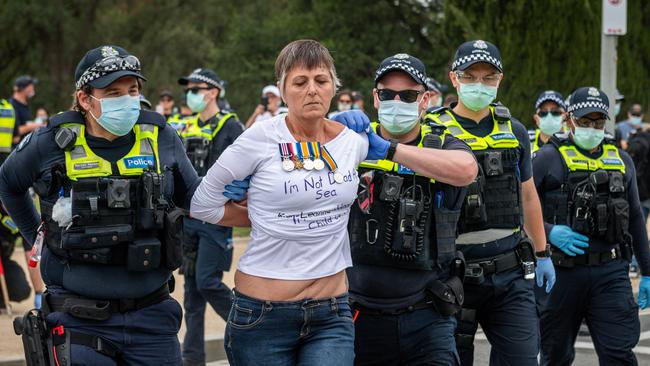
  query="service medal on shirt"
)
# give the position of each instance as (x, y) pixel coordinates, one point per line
(288, 165)
(308, 164)
(338, 177)
(319, 164)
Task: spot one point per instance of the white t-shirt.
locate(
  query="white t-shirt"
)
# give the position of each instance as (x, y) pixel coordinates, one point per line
(299, 218)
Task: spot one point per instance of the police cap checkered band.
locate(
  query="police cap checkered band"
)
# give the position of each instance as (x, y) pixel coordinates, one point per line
(577, 107)
(103, 65)
(551, 96)
(403, 62)
(472, 59)
(203, 76)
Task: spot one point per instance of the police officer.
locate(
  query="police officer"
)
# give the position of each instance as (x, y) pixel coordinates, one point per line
(207, 248)
(434, 88)
(500, 264)
(109, 176)
(405, 283)
(549, 109)
(594, 222)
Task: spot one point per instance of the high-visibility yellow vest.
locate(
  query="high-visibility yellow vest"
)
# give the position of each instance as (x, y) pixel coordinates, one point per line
(7, 125)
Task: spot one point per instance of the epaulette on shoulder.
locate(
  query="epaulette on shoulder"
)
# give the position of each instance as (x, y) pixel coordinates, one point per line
(151, 118)
(66, 117)
(435, 110)
(559, 139)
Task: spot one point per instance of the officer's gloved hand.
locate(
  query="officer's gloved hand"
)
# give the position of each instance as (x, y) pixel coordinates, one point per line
(545, 271)
(355, 120)
(567, 240)
(644, 292)
(236, 190)
(188, 265)
(377, 146)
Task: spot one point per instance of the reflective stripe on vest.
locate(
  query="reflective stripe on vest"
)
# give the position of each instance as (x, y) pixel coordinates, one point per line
(610, 159)
(501, 136)
(390, 166)
(192, 128)
(7, 124)
(82, 162)
(535, 145)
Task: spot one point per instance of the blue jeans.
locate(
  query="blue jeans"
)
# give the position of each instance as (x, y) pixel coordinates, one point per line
(205, 286)
(148, 336)
(286, 333)
(420, 337)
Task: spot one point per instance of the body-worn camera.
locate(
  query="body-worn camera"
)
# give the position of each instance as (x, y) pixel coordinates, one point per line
(616, 183)
(391, 186)
(493, 164)
(118, 193)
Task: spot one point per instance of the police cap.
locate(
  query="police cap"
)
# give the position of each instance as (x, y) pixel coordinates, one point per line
(203, 76)
(103, 65)
(587, 100)
(550, 96)
(473, 52)
(405, 63)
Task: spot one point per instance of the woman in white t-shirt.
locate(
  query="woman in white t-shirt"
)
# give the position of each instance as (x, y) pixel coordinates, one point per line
(290, 303)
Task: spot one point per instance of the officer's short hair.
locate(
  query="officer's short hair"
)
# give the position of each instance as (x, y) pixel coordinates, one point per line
(307, 53)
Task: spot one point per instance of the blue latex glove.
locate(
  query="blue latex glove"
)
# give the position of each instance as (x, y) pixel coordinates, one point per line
(545, 271)
(644, 292)
(355, 120)
(377, 146)
(38, 299)
(567, 240)
(236, 190)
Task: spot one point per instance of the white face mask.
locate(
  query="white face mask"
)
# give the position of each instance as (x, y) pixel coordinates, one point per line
(398, 117)
(550, 124)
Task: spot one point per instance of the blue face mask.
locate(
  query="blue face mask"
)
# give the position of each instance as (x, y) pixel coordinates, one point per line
(588, 138)
(196, 102)
(398, 117)
(635, 121)
(119, 114)
(476, 96)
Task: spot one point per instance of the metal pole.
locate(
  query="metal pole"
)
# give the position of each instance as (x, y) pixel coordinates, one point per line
(608, 60)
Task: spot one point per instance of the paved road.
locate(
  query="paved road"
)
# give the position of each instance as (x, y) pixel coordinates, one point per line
(585, 354)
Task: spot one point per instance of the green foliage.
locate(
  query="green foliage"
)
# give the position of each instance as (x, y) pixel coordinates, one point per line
(551, 44)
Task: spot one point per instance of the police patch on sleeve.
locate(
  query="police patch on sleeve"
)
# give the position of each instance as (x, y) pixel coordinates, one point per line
(24, 141)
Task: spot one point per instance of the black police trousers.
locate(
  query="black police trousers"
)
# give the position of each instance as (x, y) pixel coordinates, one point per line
(504, 305)
(602, 296)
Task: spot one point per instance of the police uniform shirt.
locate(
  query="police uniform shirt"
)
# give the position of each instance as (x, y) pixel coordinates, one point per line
(231, 129)
(525, 171)
(31, 163)
(550, 171)
(381, 287)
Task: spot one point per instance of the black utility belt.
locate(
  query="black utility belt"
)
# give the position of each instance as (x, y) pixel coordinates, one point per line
(101, 310)
(424, 304)
(590, 259)
(522, 255)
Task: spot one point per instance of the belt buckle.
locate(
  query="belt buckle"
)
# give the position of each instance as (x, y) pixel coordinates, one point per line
(489, 266)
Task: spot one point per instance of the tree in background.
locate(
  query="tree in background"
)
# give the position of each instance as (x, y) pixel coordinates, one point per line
(551, 44)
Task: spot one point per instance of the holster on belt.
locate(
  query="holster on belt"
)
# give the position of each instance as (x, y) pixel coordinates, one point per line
(448, 296)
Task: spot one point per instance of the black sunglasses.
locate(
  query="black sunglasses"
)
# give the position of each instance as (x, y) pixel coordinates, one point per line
(407, 96)
(554, 113)
(196, 89)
